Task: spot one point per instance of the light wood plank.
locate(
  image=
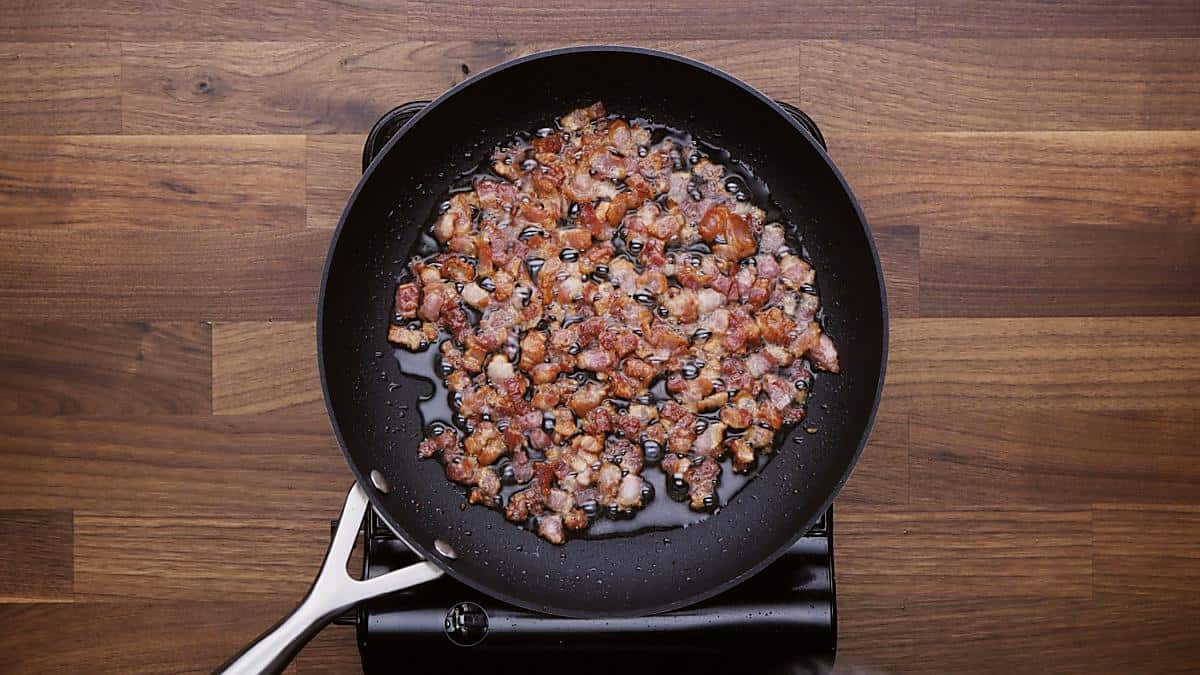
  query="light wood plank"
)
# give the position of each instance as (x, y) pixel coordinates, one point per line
(120, 558)
(233, 275)
(60, 88)
(581, 21)
(1148, 551)
(1021, 179)
(334, 167)
(988, 455)
(881, 475)
(117, 228)
(1100, 18)
(64, 368)
(1024, 269)
(266, 367)
(135, 637)
(1001, 84)
(987, 636)
(173, 465)
(151, 183)
(965, 553)
(1095, 364)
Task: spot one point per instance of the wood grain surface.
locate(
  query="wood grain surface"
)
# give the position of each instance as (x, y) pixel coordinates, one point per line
(171, 172)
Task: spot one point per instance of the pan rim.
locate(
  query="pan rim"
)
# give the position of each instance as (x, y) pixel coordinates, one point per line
(448, 565)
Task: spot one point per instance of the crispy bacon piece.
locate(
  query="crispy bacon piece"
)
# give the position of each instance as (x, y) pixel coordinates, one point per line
(701, 479)
(408, 298)
(824, 354)
(446, 439)
(728, 232)
(587, 397)
(576, 119)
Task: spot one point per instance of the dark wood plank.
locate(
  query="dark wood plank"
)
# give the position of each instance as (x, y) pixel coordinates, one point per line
(285, 87)
(965, 553)
(319, 87)
(1055, 270)
(176, 228)
(266, 367)
(983, 455)
(513, 20)
(1001, 84)
(60, 88)
(1148, 551)
(899, 255)
(173, 465)
(869, 638)
(155, 183)
(331, 652)
(119, 558)
(582, 21)
(1096, 364)
(67, 368)
(133, 20)
(36, 564)
(1101, 18)
(135, 637)
(334, 167)
(232, 275)
(1034, 635)
(881, 475)
(1021, 179)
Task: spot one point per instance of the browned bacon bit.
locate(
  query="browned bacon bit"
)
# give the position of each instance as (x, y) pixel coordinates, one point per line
(433, 445)
(608, 307)
(408, 298)
(550, 528)
(702, 484)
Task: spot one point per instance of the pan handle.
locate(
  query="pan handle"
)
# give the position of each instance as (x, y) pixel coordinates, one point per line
(333, 592)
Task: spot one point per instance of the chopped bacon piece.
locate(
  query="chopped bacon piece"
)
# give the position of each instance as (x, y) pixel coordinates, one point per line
(597, 360)
(408, 298)
(436, 444)
(824, 354)
(702, 484)
(587, 397)
(609, 306)
(729, 234)
(577, 119)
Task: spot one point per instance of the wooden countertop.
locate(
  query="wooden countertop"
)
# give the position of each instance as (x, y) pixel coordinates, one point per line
(169, 179)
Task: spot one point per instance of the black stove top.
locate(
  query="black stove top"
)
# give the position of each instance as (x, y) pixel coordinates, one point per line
(784, 619)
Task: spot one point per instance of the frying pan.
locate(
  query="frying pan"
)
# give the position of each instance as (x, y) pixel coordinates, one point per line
(373, 406)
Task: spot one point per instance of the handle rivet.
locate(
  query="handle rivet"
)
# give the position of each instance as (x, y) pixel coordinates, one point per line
(379, 481)
(444, 549)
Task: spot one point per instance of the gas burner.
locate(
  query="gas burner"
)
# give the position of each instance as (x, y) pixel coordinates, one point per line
(784, 619)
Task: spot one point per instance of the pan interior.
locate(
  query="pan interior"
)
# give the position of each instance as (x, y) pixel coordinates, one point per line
(374, 407)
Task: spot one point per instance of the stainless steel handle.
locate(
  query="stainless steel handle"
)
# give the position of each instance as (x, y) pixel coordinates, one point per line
(333, 592)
